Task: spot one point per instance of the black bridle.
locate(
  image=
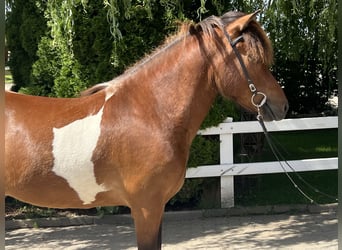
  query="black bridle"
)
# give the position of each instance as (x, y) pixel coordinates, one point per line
(250, 82)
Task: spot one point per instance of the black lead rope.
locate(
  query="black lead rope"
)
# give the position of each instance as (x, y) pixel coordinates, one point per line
(278, 155)
(274, 150)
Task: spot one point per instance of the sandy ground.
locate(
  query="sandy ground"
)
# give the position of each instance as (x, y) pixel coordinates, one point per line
(299, 231)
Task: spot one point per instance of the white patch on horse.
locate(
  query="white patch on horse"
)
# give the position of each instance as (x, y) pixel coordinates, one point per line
(109, 93)
(73, 146)
(112, 88)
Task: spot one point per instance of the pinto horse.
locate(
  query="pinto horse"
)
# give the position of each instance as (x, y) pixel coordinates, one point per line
(126, 141)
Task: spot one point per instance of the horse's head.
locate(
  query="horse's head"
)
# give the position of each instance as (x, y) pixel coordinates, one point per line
(242, 66)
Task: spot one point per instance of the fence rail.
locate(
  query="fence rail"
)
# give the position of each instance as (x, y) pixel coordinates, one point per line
(228, 169)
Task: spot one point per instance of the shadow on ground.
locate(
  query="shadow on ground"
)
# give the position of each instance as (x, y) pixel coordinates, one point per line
(302, 231)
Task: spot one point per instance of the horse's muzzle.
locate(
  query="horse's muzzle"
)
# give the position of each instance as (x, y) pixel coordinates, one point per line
(272, 112)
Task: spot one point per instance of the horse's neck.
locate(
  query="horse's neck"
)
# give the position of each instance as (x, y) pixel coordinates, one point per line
(181, 84)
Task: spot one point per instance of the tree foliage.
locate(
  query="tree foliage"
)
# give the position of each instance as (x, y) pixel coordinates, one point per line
(304, 34)
(25, 24)
(60, 47)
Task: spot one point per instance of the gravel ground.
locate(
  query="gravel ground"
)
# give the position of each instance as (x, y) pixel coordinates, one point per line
(282, 231)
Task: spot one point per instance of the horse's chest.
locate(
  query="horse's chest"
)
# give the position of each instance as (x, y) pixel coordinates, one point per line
(73, 146)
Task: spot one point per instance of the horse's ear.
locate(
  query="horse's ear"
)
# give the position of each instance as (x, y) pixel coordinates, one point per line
(237, 26)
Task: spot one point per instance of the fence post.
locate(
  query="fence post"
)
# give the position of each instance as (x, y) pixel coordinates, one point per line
(227, 157)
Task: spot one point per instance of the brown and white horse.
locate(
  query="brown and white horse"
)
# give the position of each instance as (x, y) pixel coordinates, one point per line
(126, 142)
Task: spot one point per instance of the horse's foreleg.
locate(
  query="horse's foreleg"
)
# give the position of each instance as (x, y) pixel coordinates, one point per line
(148, 227)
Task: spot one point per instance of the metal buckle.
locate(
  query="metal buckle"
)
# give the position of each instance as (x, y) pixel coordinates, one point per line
(252, 86)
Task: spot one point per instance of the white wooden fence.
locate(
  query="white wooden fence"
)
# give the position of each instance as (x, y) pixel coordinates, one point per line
(228, 169)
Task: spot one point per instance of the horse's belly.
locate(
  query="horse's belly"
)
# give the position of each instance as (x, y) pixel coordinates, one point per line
(54, 192)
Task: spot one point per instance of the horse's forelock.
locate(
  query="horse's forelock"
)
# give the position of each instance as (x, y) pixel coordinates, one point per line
(259, 45)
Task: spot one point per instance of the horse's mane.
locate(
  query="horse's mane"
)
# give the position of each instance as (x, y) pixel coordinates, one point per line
(259, 45)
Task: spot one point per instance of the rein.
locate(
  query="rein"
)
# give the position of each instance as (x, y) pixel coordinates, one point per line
(259, 117)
